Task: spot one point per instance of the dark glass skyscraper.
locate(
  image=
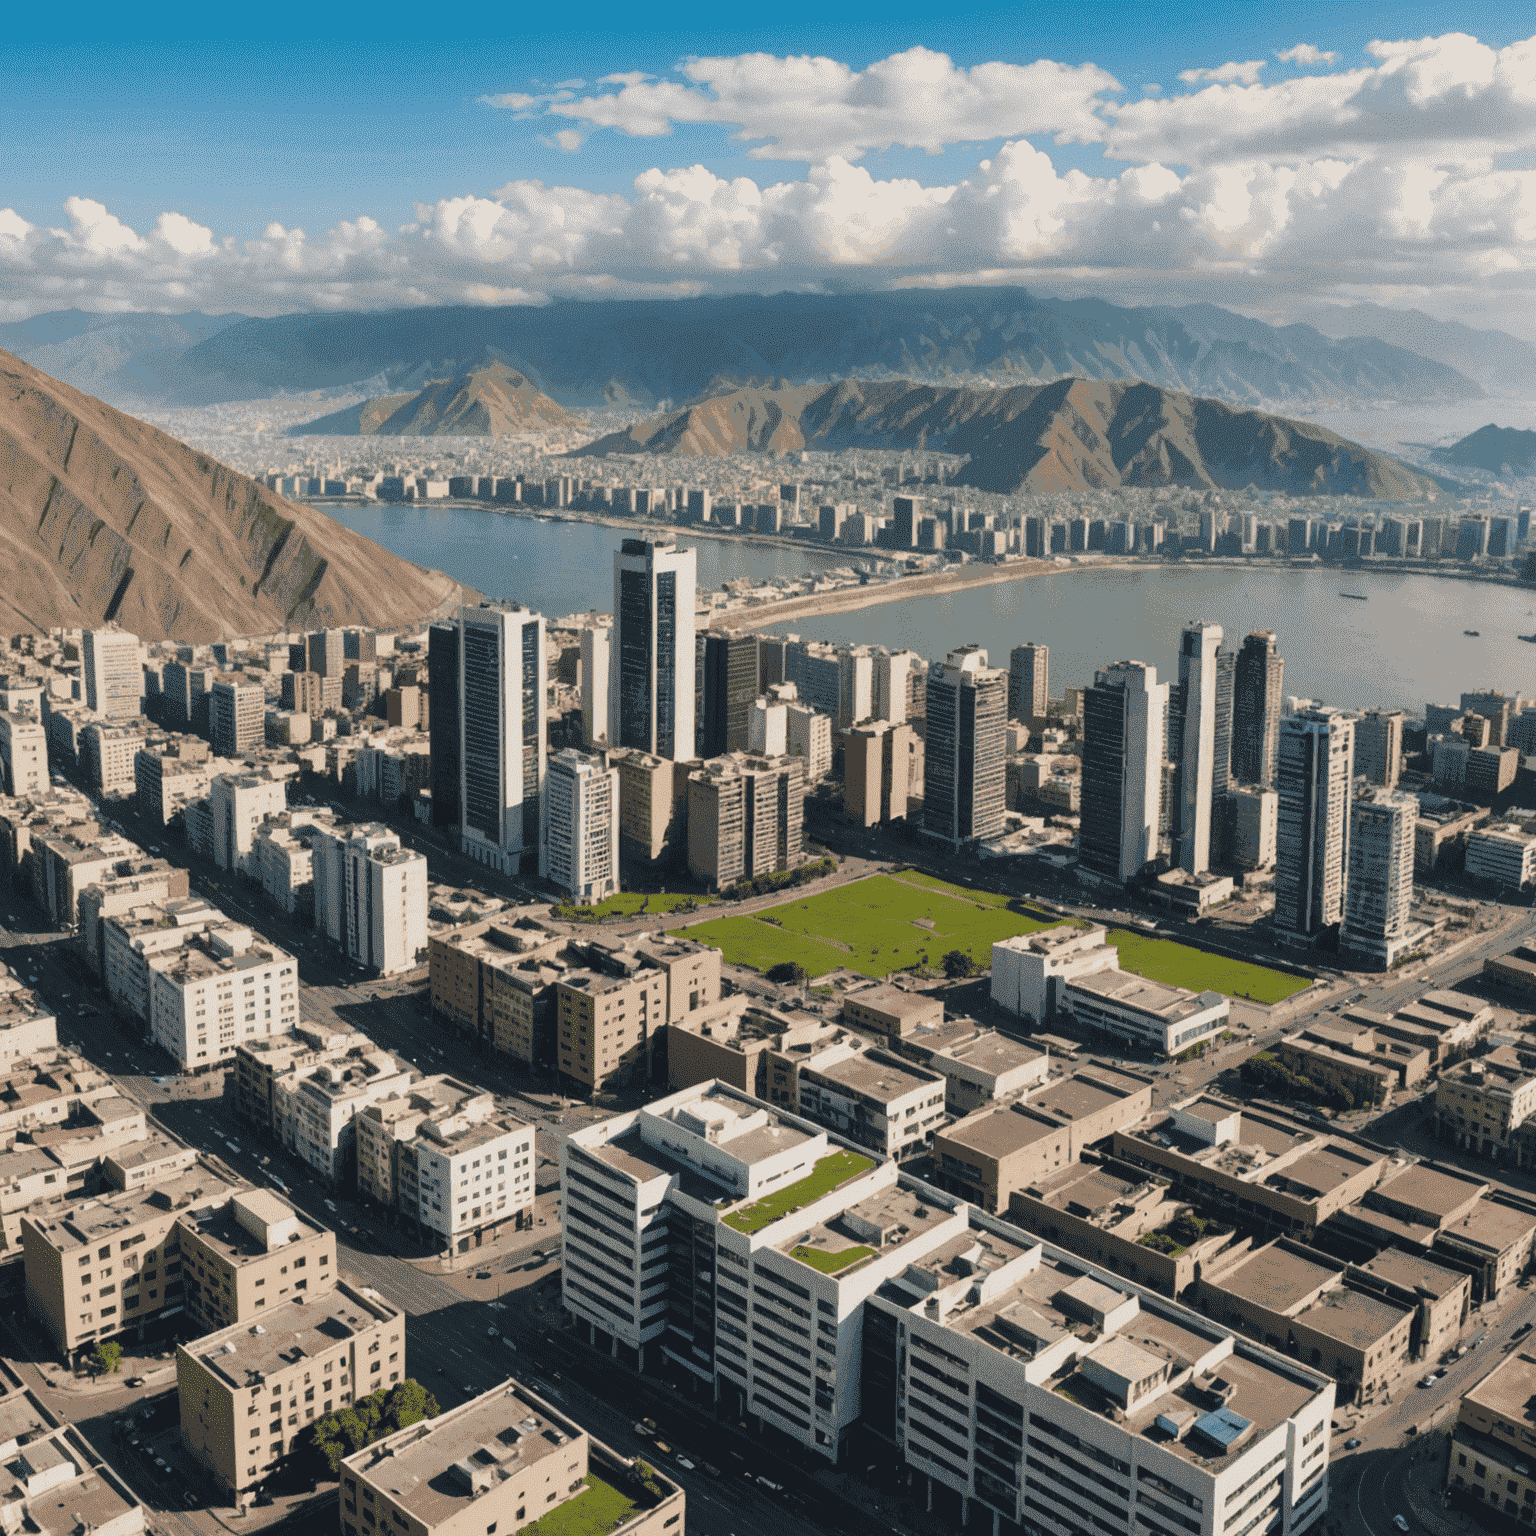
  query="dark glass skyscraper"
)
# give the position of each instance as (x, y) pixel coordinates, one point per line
(1256, 705)
(654, 655)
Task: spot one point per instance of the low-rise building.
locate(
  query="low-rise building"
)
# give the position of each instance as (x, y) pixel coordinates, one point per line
(439, 1154)
(1480, 1103)
(251, 1255)
(504, 1461)
(890, 1010)
(1166, 1019)
(1030, 971)
(605, 1025)
(1341, 1059)
(1503, 856)
(1513, 972)
(303, 1360)
(873, 1098)
(990, 1154)
(979, 1066)
(54, 1482)
(23, 754)
(1489, 1461)
(315, 1106)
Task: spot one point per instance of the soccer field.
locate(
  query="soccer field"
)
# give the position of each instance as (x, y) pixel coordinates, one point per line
(893, 922)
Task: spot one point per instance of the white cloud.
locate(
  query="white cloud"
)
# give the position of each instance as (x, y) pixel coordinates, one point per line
(566, 140)
(1306, 53)
(818, 109)
(1225, 74)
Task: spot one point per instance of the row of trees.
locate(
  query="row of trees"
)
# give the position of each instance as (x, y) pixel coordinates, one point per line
(328, 1441)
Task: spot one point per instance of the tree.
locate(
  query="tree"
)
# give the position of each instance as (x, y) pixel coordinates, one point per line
(787, 973)
(107, 1358)
(958, 965)
(329, 1440)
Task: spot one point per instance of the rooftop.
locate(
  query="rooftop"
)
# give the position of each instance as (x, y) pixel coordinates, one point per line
(1353, 1318)
(1275, 1277)
(876, 1075)
(89, 1221)
(1413, 1272)
(865, 1230)
(1168, 1004)
(1506, 1389)
(831, 1172)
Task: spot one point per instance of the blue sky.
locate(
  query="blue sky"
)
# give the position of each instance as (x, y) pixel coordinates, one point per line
(329, 118)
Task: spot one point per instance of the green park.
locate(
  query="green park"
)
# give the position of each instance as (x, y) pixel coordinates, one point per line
(910, 921)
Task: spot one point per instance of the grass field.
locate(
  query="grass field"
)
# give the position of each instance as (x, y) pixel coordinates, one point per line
(894, 922)
(875, 926)
(831, 1263)
(629, 903)
(1183, 966)
(830, 1173)
(597, 1509)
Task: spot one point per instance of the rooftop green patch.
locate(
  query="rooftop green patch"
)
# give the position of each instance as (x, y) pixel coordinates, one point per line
(834, 1170)
(599, 1508)
(831, 1262)
(633, 904)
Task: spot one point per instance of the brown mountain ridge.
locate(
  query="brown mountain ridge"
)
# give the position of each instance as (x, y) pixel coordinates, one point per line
(494, 401)
(105, 517)
(1072, 434)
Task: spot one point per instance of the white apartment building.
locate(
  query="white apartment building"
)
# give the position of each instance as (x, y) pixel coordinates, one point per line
(596, 660)
(438, 1153)
(768, 722)
(1167, 1019)
(1502, 855)
(370, 895)
(107, 753)
(112, 672)
(130, 939)
(239, 803)
(1030, 969)
(582, 827)
(1043, 1391)
(1378, 905)
(743, 1242)
(894, 674)
(809, 735)
(221, 988)
(167, 783)
(874, 1098)
(23, 755)
(314, 1109)
(282, 859)
(1255, 816)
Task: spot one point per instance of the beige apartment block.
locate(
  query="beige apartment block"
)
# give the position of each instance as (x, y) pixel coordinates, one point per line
(53, 1482)
(504, 1462)
(253, 1253)
(168, 777)
(874, 1098)
(1490, 1448)
(979, 1066)
(249, 1391)
(23, 754)
(888, 1010)
(605, 1025)
(154, 881)
(28, 1027)
(107, 755)
(692, 971)
(105, 1265)
(1480, 1103)
(261, 1063)
(653, 804)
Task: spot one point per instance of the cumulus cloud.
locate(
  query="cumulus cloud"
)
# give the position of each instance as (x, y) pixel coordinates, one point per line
(815, 109)
(1306, 53)
(1225, 74)
(1391, 178)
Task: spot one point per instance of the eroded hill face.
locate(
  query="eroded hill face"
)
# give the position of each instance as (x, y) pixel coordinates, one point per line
(1493, 448)
(495, 401)
(1074, 434)
(105, 517)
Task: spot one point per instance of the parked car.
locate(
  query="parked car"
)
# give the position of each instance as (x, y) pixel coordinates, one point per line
(1399, 1522)
(134, 1381)
(1521, 1331)
(769, 1484)
(683, 1461)
(1352, 1443)
(1429, 1380)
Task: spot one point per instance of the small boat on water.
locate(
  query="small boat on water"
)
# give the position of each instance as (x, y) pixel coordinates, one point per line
(1358, 597)
(1529, 639)
(1471, 631)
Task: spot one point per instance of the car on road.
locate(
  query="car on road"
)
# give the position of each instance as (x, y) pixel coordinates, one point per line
(1399, 1522)
(493, 1333)
(683, 1461)
(1521, 1331)
(1429, 1380)
(134, 1381)
(1352, 1443)
(768, 1483)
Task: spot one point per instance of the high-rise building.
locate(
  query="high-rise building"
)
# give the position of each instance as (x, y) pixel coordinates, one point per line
(596, 662)
(114, 675)
(906, 514)
(327, 652)
(1122, 776)
(23, 755)
(1495, 708)
(1379, 900)
(1029, 681)
(651, 692)
(729, 686)
(895, 673)
(370, 895)
(1379, 746)
(1252, 812)
(745, 817)
(1314, 781)
(445, 724)
(582, 826)
(882, 771)
(503, 712)
(1196, 758)
(237, 716)
(1257, 704)
(965, 761)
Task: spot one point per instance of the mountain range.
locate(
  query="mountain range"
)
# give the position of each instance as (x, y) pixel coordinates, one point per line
(655, 352)
(1073, 434)
(494, 401)
(104, 517)
(1493, 448)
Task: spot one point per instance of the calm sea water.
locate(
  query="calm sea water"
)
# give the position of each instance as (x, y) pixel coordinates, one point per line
(1403, 647)
(554, 568)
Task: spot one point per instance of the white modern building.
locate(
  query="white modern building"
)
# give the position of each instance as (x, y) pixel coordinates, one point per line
(896, 673)
(221, 987)
(1030, 969)
(1378, 905)
(107, 755)
(503, 727)
(370, 896)
(112, 673)
(582, 827)
(651, 672)
(1124, 729)
(1166, 1019)
(237, 716)
(23, 755)
(1315, 785)
(808, 734)
(1197, 745)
